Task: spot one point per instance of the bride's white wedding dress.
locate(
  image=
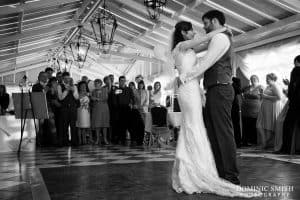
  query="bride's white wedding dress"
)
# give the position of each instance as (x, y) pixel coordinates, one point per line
(194, 170)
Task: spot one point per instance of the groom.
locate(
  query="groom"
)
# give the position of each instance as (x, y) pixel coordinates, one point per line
(216, 66)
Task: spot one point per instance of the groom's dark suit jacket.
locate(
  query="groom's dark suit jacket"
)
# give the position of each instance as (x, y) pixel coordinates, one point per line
(220, 95)
(221, 71)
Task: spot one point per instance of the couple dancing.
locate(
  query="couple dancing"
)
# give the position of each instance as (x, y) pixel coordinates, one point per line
(206, 154)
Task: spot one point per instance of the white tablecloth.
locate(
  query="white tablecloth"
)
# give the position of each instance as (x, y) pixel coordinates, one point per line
(10, 134)
(174, 119)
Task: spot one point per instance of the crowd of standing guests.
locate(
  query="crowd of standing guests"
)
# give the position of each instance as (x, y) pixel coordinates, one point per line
(108, 111)
(260, 118)
(101, 115)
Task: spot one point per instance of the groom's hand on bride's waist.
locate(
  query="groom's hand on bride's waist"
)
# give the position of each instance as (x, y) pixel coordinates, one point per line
(178, 82)
(184, 78)
(181, 79)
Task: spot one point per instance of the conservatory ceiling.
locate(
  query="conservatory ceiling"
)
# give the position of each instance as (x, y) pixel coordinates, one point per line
(30, 29)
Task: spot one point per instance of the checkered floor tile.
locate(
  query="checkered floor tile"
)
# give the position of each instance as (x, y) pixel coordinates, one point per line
(15, 172)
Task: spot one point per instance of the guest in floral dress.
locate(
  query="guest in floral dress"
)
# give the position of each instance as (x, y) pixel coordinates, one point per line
(83, 113)
(100, 111)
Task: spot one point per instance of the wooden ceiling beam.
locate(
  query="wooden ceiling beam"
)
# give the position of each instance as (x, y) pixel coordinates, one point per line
(41, 31)
(26, 7)
(262, 14)
(268, 40)
(25, 66)
(232, 13)
(258, 34)
(286, 6)
(24, 53)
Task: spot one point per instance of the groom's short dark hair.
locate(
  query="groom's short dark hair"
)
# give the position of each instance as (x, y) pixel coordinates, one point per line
(215, 14)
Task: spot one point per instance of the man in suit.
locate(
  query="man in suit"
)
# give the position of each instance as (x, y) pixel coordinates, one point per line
(121, 100)
(217, 69)
(40, 86)
(292, 119)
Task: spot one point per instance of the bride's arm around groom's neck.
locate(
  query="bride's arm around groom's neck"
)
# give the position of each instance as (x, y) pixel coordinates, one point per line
(217, 47)
(197, 43)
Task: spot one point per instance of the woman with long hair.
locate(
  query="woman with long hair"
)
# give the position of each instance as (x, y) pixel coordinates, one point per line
(194, 169)
(100, 111)
(83, 113)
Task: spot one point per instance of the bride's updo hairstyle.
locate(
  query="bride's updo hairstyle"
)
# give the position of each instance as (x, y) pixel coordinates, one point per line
(177, 36)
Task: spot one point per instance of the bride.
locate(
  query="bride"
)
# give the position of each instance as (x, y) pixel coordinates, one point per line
(194, 170)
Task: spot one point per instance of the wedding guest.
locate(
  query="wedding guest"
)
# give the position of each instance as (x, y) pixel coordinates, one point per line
(85, 79)
(54, 111)
(100, 111)
(83, 122)
(68, 96)
(138, 78)
(121, 99)
(250, 109)
(40, 86)
(49, 72)
(236, 110)
(59, 77)
(156, 95)
(269, 111)
(292, 119)
(4, 100)
(137, 126)
(112, 79)
(150, 93)
(143, 98)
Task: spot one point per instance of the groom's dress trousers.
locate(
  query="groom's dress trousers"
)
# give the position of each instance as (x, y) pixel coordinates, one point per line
(220, 95)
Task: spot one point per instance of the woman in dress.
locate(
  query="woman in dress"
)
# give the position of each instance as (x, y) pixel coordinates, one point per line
(143, 98)
(156, 95)
(83, 113)
(269, 111)
(250, 109)
(194, 169)
(100, 111)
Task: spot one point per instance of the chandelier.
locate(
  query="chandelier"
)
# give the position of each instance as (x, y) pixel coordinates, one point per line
(105, 24)
(64, 62)
(79, 48)
(155, 8)
(52, 60)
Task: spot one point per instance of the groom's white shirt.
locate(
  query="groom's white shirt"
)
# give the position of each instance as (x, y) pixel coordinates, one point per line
(217, 47)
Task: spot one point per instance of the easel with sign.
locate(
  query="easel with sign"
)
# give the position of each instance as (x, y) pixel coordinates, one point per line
(29, 106)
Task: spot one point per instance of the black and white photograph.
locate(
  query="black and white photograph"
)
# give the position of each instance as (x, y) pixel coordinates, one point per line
(149, 99)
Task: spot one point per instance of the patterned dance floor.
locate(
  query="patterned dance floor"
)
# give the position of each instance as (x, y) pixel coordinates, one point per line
(121, 172)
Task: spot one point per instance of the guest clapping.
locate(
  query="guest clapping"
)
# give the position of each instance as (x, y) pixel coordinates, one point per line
(68, 96)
